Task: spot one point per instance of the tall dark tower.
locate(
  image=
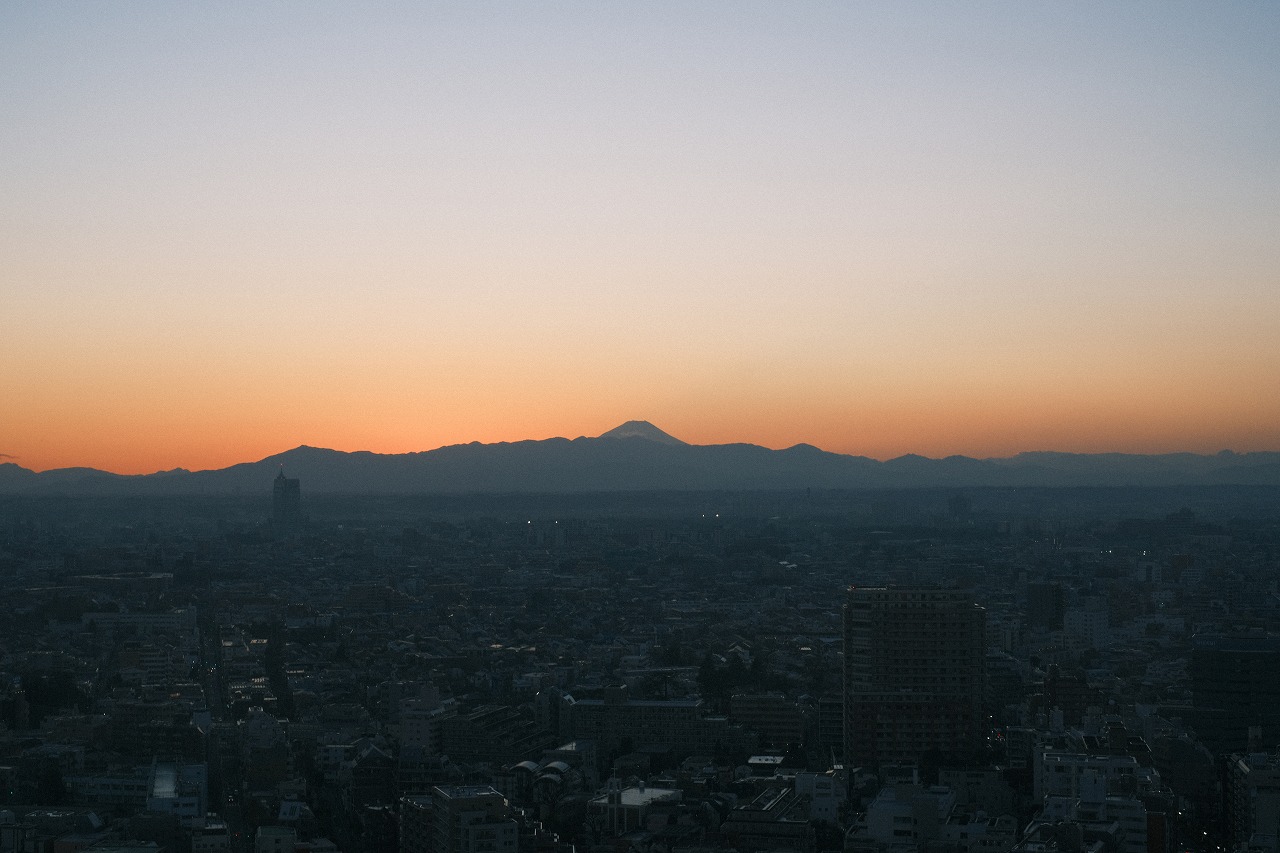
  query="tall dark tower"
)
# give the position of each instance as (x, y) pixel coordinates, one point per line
(286, 502)
(913, 673)
(1235, 686)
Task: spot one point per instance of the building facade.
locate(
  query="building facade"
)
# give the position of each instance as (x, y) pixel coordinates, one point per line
(913, 673)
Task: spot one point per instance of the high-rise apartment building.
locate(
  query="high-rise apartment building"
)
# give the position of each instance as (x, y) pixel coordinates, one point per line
(913, 673)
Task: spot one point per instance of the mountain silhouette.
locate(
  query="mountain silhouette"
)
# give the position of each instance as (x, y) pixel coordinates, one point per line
(638, 456)
(642, 429)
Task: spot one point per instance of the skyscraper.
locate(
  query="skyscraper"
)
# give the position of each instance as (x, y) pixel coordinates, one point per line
(286, 502)
(913, 673)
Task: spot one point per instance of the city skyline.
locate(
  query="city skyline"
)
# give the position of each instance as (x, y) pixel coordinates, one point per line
(937, 230)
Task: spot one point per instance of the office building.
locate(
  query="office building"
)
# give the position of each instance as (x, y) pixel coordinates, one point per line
(286, 501)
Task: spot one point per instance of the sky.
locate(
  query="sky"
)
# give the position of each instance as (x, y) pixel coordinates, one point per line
(879, 228)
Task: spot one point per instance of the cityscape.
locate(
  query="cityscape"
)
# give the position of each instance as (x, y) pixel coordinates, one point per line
(709, 426)
(1053, 670)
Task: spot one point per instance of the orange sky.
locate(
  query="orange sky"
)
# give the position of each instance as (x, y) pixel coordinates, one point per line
(978, 230)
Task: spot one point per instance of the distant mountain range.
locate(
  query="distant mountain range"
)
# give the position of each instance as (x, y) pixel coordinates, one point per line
(637, 456)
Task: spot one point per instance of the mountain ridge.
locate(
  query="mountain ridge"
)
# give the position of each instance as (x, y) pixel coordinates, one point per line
(638, 456)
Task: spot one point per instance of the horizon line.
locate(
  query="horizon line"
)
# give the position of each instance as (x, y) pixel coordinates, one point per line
(14, 459)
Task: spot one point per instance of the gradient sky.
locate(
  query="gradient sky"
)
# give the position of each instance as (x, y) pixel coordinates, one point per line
(981, 228)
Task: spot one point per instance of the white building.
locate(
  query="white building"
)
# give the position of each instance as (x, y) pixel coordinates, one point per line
(1060, 773)
(471, 819)
(826, 793)
(1094, 806)
(180, 790)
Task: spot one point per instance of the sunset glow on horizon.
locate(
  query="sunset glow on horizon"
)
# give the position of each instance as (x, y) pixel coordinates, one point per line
(979, 229)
